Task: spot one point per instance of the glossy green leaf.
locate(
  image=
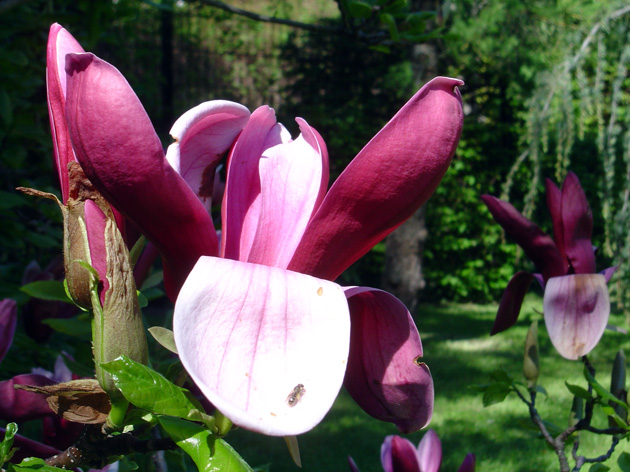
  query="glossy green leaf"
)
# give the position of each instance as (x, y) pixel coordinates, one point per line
(6, 446)
(34, 463)
(47, 290)
(602, 392)
(208, 452)
(578, 391)
(148, 389)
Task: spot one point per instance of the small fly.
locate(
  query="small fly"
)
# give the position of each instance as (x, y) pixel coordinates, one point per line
(296, 395)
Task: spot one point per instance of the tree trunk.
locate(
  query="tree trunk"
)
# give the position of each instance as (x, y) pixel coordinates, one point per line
(402, 275)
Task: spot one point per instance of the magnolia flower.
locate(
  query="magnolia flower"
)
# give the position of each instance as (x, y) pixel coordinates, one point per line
(576, 302)
(259, 324)
(400, 455)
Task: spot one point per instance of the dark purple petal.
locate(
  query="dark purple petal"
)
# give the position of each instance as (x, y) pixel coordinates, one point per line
(385, 374)
(511, 301)
(609, 272)
(404, 456)
(576, 309)
(18, 405)
(577, 221)
(353, 465)
(538, 246)
(469, 463)
(8, 320)
(122, 156)
(392, 176)
(554, 203)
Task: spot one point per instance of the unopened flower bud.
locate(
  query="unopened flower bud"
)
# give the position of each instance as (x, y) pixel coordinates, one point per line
(577, 411)
(618, 385)
(531, 368)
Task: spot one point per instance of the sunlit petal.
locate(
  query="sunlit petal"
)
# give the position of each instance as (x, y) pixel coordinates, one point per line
(60, 43)
(202, 136)
(576, 309)
(293, 183)
(122, 156)
(268, 347)
(392, 176)
(386, 375)
(241, 204)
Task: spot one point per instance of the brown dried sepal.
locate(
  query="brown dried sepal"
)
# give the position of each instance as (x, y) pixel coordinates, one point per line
(80, 401)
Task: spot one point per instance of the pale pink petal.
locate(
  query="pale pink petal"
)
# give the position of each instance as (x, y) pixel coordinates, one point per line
(386, 375)
(241, 202)
(430, 452)
(268, 347)
(8, 321)
(202, 136)
(576, 309)
(60, 43)
(392, 176)
(293, 183)
(122, 156)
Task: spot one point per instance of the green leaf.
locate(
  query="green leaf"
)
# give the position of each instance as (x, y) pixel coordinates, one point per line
(578, 391)
(79, 327)
(208, 453)
(598, 468)
(388, 20)
(623, 461)
(495, 393)
(142, 300)
(47, 290)
(34, 463)
(164, 337)
(499, 375)
(359, 9)
(541, 389)
(136, 250)
(602, 392)
(6, 446)
(148, 389)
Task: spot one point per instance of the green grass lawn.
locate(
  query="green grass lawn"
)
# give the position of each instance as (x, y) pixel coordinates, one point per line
(460, 353)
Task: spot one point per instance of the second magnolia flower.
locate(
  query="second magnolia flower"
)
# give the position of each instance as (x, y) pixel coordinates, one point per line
(259, 323)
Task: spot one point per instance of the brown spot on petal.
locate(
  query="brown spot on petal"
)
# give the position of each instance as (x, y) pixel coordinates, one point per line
(320, 291)
(418, 361)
